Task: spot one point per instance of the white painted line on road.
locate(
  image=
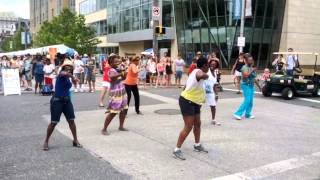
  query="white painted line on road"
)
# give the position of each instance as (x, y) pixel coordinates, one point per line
(302, 99)
(274, 168)
(235, 90)
(309, 100)
(158, 97)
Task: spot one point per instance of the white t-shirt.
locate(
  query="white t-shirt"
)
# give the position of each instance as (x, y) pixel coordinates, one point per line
(152, 67)
(48, 69)
(179, 63)
(78, 66)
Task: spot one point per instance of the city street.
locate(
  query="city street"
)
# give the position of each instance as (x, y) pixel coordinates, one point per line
(281, 143)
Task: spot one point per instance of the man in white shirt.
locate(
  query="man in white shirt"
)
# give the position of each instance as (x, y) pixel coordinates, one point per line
(291, 62)
(78, 73)
(179, 67)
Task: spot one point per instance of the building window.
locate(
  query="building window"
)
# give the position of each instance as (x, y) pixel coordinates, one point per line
(100, 27)
(90, 6)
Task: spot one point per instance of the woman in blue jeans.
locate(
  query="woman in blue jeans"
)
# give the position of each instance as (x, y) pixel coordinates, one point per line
(247, 85)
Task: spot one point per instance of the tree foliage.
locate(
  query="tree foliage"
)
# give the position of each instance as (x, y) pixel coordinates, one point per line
(16, 42)
(69, 29)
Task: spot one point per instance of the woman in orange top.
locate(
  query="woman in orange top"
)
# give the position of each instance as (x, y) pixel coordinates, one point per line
(131, 83)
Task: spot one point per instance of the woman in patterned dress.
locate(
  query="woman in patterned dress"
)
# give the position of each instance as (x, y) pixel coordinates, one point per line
(117, 96)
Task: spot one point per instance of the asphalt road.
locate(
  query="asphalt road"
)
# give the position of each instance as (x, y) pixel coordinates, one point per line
(22, 131)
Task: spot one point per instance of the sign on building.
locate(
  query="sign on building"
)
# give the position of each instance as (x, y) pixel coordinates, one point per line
(241, 41)
(11, 81)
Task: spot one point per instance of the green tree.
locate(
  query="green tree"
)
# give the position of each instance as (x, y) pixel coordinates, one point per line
(68, 29)
(16, 42)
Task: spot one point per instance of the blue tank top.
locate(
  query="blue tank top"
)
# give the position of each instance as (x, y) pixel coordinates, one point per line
(63, 86)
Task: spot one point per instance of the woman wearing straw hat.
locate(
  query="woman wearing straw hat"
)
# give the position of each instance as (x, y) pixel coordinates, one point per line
(61, 103)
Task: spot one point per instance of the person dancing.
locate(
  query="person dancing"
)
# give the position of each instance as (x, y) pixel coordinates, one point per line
(61, 103)
(247, 85)
(190, 101)
(117, 96)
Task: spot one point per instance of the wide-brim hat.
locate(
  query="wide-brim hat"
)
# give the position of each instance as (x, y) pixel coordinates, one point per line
(67, 63)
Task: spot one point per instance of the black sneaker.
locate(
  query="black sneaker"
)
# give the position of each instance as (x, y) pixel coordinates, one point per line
(179, 155)
(200, 148)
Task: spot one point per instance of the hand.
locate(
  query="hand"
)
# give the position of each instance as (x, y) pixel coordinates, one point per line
(254, 69)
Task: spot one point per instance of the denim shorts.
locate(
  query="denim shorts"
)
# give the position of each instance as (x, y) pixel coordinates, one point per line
(178, 74)
(59, 105)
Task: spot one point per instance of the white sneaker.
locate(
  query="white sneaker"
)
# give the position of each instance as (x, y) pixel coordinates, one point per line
(251, 117)
(81, 90)
(237, 117)
(76, 90)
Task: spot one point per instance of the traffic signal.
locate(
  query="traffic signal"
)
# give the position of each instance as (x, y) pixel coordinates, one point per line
(160, 30)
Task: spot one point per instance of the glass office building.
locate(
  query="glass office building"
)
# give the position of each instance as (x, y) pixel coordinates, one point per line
(210, 25)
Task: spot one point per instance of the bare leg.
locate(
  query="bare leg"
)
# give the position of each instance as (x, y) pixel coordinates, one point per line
(36, 87)
(107, 122)
(102, 95)
(90, 88)
(238, 83)
(122, 117)
(213, 112)
(94, 85)
(188, 123)
(73, 129)
(197, 128)
(50, 129)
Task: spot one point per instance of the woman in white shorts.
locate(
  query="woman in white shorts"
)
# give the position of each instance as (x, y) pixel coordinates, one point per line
(211, 89)
(236, 70)
(105, 82)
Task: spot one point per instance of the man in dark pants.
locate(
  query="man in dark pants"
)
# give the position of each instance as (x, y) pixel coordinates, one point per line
(131, 83)
(61, 103)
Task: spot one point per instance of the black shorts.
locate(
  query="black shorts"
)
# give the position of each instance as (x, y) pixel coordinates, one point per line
(59, 105)
(188, 108)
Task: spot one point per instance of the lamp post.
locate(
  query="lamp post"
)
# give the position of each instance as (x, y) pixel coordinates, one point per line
(243, 5)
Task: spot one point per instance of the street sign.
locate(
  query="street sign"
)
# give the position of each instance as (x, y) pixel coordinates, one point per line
(155, 12)
(241, 41)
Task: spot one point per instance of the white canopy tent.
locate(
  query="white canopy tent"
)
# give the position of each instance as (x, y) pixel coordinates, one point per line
(61, 48)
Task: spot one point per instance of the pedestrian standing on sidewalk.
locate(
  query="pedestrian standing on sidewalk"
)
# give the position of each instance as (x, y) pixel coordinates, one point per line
(211, 89)
(190, 101)
(91, 74)
(131, 83)
(169, 71)
(28, 72)
(38, 73)
(106, 80)
(78, 73)
(117, 96)
(61, 103)
(247, 85)
(236, 71)
(48, 70)
(152, 70)
(179, 67)
(160, 71)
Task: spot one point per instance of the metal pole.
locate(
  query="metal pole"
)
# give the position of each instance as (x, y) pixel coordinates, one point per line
(243, 5)
(155, 24)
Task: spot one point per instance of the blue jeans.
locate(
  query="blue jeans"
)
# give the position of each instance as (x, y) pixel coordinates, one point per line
(247, 104)
(290, 72)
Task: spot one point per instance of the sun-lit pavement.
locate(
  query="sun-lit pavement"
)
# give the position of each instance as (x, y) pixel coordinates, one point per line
(281, 143)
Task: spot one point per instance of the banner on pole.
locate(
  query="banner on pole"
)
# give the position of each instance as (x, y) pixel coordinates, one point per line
(248, 10)
(23, 37)
(11, 81)
(237, 9)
